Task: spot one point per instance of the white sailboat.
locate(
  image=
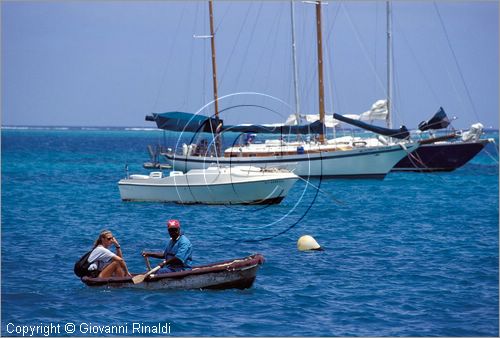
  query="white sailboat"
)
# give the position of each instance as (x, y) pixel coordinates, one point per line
(319, 158)
(215, 185)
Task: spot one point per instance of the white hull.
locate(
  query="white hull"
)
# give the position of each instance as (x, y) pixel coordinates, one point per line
(239, 185)
(362, 162)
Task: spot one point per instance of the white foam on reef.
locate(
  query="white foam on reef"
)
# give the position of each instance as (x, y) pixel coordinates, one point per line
(78, 128)
(35, 128)
(142, 129)
(19, 128)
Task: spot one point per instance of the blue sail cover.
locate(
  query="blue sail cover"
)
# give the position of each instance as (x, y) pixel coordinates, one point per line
(438, 121)
(400, 133)
(179, 121)
(314, 128)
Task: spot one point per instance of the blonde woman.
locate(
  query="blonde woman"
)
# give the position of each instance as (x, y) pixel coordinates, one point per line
(105, 263)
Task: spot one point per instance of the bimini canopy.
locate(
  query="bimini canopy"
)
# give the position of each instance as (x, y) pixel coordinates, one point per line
(179, 121)
(400, 133)
(438, 121)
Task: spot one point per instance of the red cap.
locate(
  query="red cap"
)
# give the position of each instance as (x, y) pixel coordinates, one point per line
(173, 223)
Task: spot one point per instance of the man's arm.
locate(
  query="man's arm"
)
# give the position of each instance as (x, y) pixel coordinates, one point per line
(173, 260)
(158, 255)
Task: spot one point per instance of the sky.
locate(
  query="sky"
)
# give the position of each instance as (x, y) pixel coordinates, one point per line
(110, 63)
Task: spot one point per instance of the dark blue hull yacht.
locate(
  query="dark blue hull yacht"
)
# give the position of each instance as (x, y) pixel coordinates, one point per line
(440, 156)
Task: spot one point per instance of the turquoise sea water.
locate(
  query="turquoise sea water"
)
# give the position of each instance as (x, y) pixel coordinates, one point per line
(412, 255)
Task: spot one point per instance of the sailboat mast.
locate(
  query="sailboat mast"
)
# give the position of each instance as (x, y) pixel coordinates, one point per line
(214, 78)
(214, 65)
(389, 64)
(295, 70)
(321, 88)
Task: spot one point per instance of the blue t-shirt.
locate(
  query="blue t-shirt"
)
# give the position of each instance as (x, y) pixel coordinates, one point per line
(182, 250)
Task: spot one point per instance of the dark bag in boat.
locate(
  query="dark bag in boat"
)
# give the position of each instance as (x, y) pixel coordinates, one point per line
(82, 265)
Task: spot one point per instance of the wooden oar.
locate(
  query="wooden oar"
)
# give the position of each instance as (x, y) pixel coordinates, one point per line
(140, 278)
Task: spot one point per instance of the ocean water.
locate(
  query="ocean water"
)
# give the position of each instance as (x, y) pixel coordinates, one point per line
(411, 255)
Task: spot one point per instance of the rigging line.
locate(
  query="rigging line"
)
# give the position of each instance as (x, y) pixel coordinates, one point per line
(329, 75)
(187, 94)
(414, 157)
(416, 160)
(453, 85)
(305, 74)
(456, 60)
(240, 69)
(415, 59)
(284, 216)
(491, 155)
(273, 49)
(261, 57)
(337, 11)
(393, 106)
(334, 199)
(167, 63)
(396, 100)
(293, 89)
(223, 17)
(214, 143)
(298, 221)
(331, 84)
(365, 52)
(235, 44)
(375, 39)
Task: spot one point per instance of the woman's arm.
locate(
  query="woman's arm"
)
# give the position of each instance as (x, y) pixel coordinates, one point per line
(117, 247)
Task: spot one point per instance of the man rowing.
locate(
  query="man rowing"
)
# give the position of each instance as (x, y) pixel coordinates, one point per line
(178, 254)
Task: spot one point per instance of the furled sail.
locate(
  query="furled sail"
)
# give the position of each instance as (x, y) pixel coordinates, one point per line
(377, 112)
(330, 122)
(438, 121)
(400, 133)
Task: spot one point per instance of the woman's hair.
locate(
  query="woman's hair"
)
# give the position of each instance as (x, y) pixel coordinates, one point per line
(98, 241)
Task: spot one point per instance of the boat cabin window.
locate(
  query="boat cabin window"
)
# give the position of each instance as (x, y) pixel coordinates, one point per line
(156, 174)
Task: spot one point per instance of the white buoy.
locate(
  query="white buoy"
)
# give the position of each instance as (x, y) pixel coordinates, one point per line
(307, 242)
